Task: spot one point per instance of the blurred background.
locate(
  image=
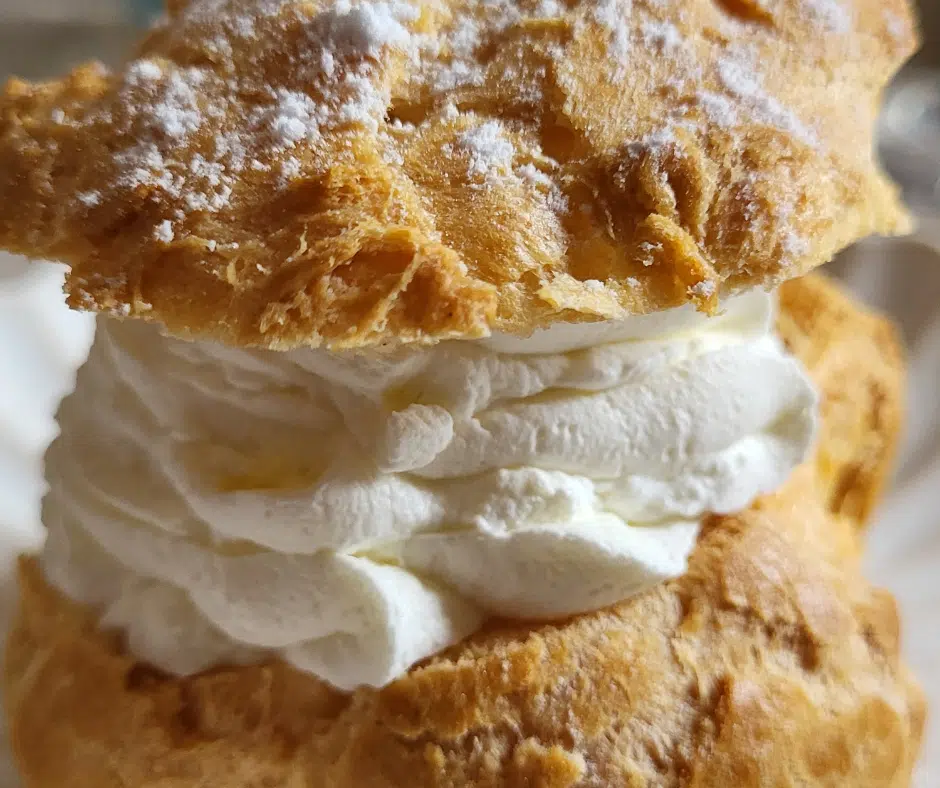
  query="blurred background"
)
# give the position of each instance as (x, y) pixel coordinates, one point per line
(41, 343)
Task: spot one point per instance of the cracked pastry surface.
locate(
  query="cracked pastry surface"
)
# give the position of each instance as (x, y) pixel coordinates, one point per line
(282, 173)
(770, 662)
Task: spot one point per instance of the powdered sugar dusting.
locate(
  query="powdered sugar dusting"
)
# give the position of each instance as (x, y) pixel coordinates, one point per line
(166, 106)
(662, 36)
(742, 98)
(89, 199)
(795, 245)
(719, 109)
(536, 179)
(738, 75)
(533, 175)
(549, 9)
(143, 72)
(895, 24)
(653, 143)
(294, 117)
(365, 29)
(287, 77)
(773, 219)
(615, 16)
(239, 18)
(174, 109)
(290, 169)
(459, 45)
(490, 153)
(178, 112)
(703, 289)
(164, 231)
(833, 14)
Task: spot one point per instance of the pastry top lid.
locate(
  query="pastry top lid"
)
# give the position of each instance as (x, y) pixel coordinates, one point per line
(349, 173)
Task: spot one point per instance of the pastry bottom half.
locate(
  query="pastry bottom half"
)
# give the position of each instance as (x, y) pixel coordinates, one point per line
(770, 663)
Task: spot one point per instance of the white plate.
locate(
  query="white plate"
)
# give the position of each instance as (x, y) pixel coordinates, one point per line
(41, 343)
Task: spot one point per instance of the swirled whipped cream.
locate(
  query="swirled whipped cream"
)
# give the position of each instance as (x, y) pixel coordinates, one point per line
(355, 513)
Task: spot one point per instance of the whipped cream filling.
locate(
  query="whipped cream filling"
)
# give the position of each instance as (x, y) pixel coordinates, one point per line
(355, 513)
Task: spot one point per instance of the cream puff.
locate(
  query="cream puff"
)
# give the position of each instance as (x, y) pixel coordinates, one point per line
(442, 426)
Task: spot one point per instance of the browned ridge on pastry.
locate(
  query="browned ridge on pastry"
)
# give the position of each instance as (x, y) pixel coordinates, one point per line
(770, 663)
(281, 173)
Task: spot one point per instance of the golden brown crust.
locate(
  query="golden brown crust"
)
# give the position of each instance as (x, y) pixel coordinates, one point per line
(319, 173)
(855, 446)
(770, 663)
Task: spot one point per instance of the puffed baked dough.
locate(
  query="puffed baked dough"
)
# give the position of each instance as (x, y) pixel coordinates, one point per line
(770, 663)
(282, 173)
